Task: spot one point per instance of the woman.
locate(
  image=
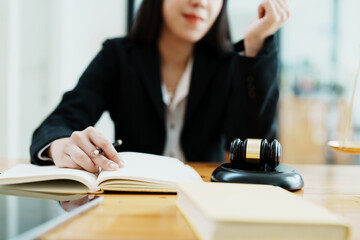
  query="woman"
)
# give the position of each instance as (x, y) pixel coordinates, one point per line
(174, 86)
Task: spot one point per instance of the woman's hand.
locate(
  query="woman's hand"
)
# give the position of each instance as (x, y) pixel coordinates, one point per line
(271, 16)
(76, 152)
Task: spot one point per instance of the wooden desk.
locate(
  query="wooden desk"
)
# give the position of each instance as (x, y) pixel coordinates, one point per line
(155, 216)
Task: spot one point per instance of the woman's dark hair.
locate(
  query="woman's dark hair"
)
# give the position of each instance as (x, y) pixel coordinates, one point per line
(149, 22)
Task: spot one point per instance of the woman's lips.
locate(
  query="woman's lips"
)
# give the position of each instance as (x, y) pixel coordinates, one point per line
(193, 18)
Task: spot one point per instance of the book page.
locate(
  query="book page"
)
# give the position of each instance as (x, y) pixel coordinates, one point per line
(25, 173)
(9, 190)
(62, 186)
(151, 168)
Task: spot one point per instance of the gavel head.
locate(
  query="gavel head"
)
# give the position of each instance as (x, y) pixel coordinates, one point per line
(255, 153)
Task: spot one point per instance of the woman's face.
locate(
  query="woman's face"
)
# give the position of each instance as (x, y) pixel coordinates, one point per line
(190, 20)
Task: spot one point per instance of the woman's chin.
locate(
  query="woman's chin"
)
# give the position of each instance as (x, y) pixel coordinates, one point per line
(191, 37)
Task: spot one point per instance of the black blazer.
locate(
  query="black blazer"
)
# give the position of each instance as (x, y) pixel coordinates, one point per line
(230, 96)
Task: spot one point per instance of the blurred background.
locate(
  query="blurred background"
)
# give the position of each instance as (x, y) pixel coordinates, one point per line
(47, 44)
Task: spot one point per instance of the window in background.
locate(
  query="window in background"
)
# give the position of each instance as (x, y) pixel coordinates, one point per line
(47, 45)
(320, 52)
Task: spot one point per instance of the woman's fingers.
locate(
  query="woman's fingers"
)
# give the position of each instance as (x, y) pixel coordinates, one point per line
(77, 150)
(272, 14)
(285, 7)
(109, 151)
(268, 7)
(90, 139)
(63, 160)
(280, 11)
(105, 163)
(79, 157)
(279, 14)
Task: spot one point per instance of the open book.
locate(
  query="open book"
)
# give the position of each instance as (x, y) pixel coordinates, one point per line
(254, 211)
(5, 190)
(142, 173)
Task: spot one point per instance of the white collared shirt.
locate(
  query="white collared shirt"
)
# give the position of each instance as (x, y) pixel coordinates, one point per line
(175, 113)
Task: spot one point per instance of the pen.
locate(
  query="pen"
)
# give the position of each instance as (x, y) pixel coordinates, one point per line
(99, 150)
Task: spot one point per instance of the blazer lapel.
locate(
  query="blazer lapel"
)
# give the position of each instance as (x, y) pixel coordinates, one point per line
(203, 69)
(149, 69)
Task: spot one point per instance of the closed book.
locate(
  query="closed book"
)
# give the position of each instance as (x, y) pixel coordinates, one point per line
(254, 211)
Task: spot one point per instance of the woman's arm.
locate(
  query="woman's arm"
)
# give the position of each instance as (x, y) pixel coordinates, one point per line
(252, 106)
(271, 16)
(67, 127)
